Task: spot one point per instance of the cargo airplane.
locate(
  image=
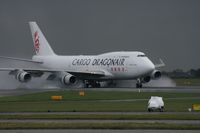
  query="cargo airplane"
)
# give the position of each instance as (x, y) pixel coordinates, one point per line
(91, 69)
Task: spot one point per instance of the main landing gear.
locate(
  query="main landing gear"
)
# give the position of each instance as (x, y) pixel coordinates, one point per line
(138, 83)
(92, 84)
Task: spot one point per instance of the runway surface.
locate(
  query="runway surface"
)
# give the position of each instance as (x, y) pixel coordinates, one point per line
(96, 113)
(101, 121)
(21, 91)
(98, 131)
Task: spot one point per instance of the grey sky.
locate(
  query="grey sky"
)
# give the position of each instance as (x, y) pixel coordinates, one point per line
(167, 29)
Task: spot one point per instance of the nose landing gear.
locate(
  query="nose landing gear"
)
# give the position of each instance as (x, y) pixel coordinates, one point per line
(138, 83)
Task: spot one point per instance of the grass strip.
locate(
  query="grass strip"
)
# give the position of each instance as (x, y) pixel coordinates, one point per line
(95, 101)
(13, 125)
(73, 96)
(105, 116)
(187, 81)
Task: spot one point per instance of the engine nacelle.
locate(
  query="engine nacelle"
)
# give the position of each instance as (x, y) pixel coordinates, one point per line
(146, 79)
(68, 79)
(23, 76)
(156, 74)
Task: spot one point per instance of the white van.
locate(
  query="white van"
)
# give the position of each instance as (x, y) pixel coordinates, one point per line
(155, 103)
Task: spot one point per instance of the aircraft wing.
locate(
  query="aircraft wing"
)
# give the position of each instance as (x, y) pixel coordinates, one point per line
(20, 59)
(39, 72)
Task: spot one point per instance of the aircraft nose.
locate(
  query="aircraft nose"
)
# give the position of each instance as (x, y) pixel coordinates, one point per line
(146, 66)
(150, 66)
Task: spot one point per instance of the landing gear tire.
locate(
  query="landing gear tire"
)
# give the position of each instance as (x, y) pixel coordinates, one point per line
(138, 85)
(92, 84)
(86, 86)
(96, 85)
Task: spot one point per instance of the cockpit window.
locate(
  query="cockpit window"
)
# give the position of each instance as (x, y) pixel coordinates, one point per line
(141, 55)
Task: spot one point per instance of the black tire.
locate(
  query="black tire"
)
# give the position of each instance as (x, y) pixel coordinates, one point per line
(162, 109)
(98, 85)
(138, 85)
(149, 110)
(86, 85)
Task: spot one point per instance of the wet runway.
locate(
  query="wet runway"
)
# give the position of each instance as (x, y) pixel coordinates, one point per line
(100, 121)
(98, 131)
(21, 91)
(13, 92)
(188, 89)
(96, 113)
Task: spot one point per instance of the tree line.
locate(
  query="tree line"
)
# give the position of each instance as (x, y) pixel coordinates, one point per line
(179, 73)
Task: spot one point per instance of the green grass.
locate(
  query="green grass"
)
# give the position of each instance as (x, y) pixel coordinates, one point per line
(92, 101)
(41, 102)
(129, 125)
(71, 95)
(187, 82)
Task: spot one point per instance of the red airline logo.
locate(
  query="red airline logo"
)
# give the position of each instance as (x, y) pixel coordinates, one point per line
(37, 43)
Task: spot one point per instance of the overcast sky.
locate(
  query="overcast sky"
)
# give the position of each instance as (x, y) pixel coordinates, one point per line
(167, 29)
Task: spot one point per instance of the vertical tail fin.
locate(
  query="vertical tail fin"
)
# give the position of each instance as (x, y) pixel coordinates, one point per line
(41, 45)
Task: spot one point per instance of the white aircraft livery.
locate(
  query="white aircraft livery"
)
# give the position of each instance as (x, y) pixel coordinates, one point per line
(92, 70)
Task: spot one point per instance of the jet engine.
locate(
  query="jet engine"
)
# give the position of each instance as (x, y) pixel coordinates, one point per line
(23, 76)
(156, 74)
(146, 79)
(68, 79)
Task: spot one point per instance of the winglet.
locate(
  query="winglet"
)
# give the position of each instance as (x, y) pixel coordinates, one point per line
(162, 64)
